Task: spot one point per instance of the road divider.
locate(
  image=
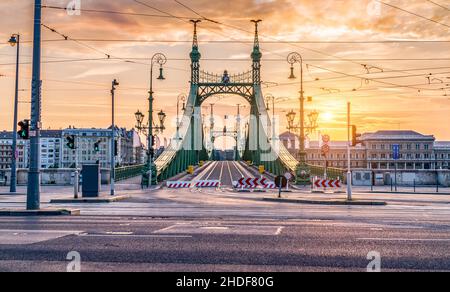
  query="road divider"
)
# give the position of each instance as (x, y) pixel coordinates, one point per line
(193, 184)
(254, 183)
(179, 184)
(326, 185)
(207, 184)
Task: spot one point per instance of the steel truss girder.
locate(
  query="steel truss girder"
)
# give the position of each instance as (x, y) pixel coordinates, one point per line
(206, 90)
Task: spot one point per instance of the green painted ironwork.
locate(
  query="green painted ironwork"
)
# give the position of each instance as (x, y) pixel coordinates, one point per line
(332, 173)
(123, 173)
(185, 151)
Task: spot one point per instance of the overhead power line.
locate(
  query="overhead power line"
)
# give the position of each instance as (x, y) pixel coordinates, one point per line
(439, 5)
(279, 42)
(225, 41)
(413, 13)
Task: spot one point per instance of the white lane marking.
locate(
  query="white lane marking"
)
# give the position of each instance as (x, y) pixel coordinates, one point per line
(221, 171)
(199, 229)
(407, 239)
(135, 235)
(20, 237)
(279, 231)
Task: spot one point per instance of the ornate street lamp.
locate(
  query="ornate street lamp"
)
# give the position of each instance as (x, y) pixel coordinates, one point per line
(13, 41)
(291, 118)
(150, 173)
(303, 173)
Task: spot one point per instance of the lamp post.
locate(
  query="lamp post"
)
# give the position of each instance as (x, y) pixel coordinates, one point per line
(15, 41)
(270, 97)
(182, 97)
(144, 129)
(303, 172)
(161, 60)
(33, 191)
(113, 140)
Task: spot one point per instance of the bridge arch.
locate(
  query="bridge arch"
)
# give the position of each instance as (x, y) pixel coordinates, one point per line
(259, 149)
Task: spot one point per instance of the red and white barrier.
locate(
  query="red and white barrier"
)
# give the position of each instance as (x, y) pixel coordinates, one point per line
(179, 184)
(251, 182)
(254, 183)
(207, 184)
(327, 183)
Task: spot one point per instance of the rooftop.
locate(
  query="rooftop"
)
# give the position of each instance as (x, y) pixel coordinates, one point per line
(396, 135)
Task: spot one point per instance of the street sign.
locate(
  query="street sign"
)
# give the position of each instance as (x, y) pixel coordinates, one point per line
(396, 151)
(325, 149)
(288, 176)
(327, 183)
(281, 181)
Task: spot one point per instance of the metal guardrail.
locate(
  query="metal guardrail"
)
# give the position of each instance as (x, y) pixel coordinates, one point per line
(332, 173)
(123, 173)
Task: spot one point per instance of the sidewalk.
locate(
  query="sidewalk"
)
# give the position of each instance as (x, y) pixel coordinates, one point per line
(431, 190)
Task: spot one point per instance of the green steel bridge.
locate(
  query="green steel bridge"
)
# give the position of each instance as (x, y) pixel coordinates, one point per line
(260, 148)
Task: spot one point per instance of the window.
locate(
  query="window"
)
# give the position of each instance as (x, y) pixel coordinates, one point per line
(427, 147)
(417, 146)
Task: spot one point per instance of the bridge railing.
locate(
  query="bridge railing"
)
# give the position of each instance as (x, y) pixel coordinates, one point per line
(332, 173)
(126, 172)
(206, 77)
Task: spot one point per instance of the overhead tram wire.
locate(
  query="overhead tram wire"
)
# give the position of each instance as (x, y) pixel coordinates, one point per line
(161, 11)
(313, 50)
(439, 5)
(413, 13)
(228, 41)
(108, 55)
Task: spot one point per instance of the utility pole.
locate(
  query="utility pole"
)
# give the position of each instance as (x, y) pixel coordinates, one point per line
(349, 172)
(113, 140)
(15, 40)
(33, 191)
(238, 130)
(211, 128)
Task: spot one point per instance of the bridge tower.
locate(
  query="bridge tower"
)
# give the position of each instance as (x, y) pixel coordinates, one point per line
(260, 148)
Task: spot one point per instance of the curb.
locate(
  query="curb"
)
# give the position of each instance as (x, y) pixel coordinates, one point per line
(331, 203)
(13, 194)
(100, 200)
(42, 212)
(405, 193)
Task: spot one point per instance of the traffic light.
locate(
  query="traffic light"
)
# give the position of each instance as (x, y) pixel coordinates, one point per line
(71, 142)
(355, 136)
(24, 132)
(97, 146)
(116, 150)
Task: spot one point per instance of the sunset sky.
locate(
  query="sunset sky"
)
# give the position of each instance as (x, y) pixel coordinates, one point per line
(335, 37)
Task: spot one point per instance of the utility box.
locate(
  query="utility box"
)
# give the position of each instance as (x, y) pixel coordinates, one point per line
(91, 180)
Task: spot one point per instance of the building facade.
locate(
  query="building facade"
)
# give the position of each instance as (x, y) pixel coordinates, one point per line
(129, 147)
(56, 154)
(417, 152)
(6, 151)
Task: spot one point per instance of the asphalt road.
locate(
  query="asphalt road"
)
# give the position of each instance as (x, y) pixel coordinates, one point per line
(222, 230)
(145, 244)
(226, 172)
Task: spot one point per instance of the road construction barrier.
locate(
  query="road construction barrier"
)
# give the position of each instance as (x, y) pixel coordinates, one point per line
(190, 169)
(179, 184)
(262, 169)
(254, 183)
(207, 184)
(326, 185)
